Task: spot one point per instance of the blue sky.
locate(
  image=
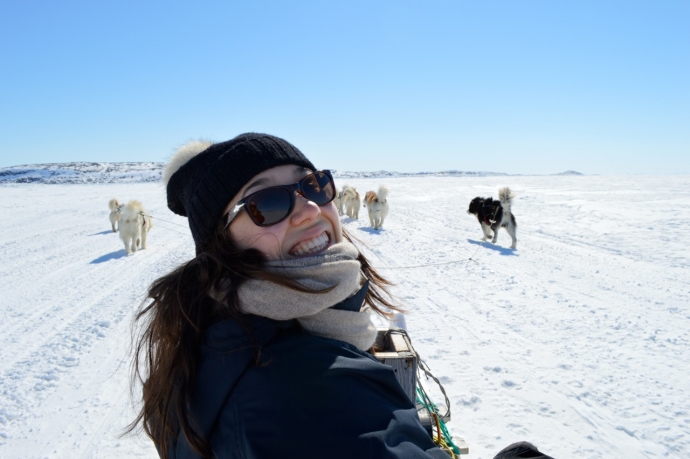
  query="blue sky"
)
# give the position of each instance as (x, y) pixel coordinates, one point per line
(508, 86)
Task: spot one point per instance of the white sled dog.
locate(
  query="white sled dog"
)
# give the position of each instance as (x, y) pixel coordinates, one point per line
(135, 224)
(352, 202)
(377, 205)
(493, 215)
(339, 201)
(115, 213)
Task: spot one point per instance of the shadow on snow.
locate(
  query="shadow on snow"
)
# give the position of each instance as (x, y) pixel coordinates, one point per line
(370, 230)
(110, 256)
(497, 248)
(102, 232)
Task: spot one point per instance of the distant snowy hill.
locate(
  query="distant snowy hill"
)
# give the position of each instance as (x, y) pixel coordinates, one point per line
(385, 174)
(87, 172)
(83, 172)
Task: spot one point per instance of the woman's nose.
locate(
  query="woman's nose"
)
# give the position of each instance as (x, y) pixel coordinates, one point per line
(304, 209)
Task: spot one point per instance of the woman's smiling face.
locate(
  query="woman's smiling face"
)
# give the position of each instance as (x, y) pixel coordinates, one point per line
(308, 230)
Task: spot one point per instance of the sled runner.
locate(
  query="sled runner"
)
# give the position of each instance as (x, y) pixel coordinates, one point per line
(395, 350)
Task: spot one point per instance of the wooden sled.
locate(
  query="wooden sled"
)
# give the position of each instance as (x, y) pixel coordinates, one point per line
(396, 351)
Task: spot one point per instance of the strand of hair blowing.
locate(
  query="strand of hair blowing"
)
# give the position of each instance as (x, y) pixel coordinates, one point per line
(171, 326)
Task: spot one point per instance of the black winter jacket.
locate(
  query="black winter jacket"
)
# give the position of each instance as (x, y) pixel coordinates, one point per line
(309, 397)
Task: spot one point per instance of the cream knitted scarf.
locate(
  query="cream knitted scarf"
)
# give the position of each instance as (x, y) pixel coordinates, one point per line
(337, 267)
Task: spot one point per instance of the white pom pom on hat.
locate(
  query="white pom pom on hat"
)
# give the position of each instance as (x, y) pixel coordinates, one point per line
(182, 155)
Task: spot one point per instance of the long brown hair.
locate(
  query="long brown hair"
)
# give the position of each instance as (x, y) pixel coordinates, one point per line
(170, 329)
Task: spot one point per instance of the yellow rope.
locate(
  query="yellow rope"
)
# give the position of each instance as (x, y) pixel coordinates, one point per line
(439, 440)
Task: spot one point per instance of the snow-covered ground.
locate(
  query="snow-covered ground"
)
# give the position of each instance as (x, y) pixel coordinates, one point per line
(577, 341)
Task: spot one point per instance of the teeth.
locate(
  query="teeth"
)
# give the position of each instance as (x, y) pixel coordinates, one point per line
(314, 245)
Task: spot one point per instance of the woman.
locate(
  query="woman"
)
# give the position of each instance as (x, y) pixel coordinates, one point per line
(256, 348)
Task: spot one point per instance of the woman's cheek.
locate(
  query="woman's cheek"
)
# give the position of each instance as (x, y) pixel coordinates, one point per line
(332, 215)
(249, 236)
(270, 244)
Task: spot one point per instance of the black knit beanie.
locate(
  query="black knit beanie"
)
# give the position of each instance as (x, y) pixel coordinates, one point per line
(203, 177)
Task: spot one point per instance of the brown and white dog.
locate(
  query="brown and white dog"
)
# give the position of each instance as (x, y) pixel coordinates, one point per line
(135, 223)
(115, 213)
(377, 205)
(493, 215)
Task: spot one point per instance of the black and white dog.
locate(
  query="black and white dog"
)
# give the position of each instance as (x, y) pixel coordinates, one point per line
(494, 214)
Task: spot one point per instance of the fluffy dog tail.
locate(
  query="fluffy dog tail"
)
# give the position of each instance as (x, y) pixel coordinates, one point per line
(113, 205)
(369, 198)
(132, 209)
(505, 195)
(350, 192)
(383, 193)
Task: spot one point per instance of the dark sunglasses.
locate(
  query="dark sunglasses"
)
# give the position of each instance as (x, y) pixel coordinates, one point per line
(273, 204)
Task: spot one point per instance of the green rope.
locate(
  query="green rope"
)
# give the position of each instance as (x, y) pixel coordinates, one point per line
(445, 440)
(423, 399)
